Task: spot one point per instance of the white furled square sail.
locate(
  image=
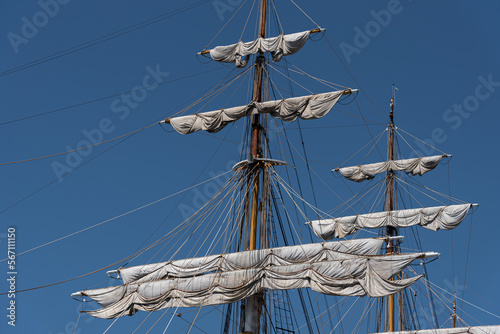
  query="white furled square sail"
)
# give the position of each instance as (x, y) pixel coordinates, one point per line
(279, 46)
(303, 107)
(415, 166)
(433, 218)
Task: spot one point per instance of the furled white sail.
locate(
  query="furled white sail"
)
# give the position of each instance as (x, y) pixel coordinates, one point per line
(356, 276)
(279, 46)
(288, 110)
(416, 166)
(332, 250)
(432, 218)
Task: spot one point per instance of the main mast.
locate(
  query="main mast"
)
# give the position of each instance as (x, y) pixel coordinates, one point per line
(255, 144)
(390, 205)
(253, 308)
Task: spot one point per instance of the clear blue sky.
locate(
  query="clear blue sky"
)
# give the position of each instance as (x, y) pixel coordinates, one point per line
(439, 54)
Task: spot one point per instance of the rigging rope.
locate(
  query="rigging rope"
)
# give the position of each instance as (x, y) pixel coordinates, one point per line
(244, 2)
(116, 217)
(182, 198)
(78, 149)
(424, 142)
(64, 175)
(248, 18)
(352, 76)
(367, 128)
(103, 38)
(98, 155)
(304, 73)
(463, 300)
(467, 259)
(78, 320)
(107, 97)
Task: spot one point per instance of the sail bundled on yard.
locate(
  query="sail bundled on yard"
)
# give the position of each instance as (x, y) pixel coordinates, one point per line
(416, 166)
(251, 259)
(352, 276)
(432, 218)
(279, 46)
(288, 110)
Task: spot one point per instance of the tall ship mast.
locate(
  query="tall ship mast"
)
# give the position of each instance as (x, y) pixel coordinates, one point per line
(261, 261)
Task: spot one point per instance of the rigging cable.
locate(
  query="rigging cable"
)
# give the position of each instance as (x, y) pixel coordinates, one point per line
(78, 149)
(103, 38)
(64, 175)
(98, 155)
(105, 98)
(116, 217)
(225, 25)
(451, 234)
(306, 313)
(179, 202)
(248, 18)
(422, 141)
(78, 320)
(467, 260)
(340, 59)
(314, 197)
(367, 128)
(300, 293)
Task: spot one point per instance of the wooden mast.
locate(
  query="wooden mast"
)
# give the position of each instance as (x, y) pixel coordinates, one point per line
(390, 205)
(254, 304)
(454, 315)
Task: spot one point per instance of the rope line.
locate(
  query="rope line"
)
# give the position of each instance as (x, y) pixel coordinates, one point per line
(64, 175)
(77, 149)
(106, 97)
(103, 38)
(352, 76)
(119, 216)
(244, 2)
(463, 300)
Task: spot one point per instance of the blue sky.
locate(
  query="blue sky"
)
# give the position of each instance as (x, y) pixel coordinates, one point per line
(441, 55)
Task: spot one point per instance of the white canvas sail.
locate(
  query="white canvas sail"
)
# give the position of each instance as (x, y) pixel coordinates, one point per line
(279, 46)
(356, 276)
(303, 107)
(432, 218)
(416, 166)
(252, 259)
